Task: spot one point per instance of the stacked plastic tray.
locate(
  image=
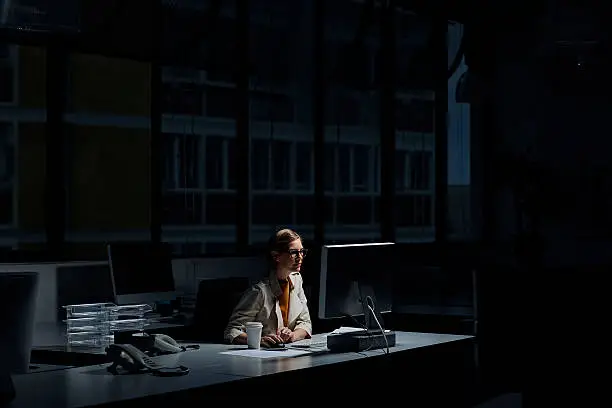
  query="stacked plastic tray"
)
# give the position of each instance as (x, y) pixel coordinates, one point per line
(95, 324)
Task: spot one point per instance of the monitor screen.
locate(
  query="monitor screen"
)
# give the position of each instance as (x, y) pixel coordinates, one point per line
(78, 284)
(350, 273)
(141, 272)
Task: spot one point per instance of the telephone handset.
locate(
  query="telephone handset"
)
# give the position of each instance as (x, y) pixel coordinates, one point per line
(166, 344)
(156, 344)
(134, 361)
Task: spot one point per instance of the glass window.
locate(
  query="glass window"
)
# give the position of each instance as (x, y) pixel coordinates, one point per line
(6, 83)
(221, 209)
(353, 123)
(221, 248)
(281, 161)
(414, 123)
(361, 168)
(282, 90)
(401, 181)
(182, 208)
(181, 164)
(344, 168)
(354, 210)
(272, 209)
(214, 162)
(108, 159)
(271, 107)
(220, 53)
(203, 69)
(260, 164)
(420, 170)
(220, 102)
(182, 98)
(305, 210)
(304, 160)
(231, 163)
(330, 166)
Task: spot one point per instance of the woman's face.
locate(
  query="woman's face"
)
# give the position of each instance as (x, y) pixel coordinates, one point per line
(292, 258)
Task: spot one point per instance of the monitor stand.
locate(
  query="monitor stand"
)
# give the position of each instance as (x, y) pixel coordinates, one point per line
(369, 339)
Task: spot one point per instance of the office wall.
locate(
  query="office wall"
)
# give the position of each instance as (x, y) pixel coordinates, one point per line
(187, 274)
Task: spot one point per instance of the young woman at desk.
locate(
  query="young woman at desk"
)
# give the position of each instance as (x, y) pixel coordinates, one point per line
(278, 301)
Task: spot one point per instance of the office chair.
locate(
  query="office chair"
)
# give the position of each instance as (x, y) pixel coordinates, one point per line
(215, 302)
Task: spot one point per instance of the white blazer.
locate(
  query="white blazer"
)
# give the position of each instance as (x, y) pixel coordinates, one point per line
(260, 304)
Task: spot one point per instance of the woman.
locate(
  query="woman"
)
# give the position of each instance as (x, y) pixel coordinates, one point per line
(278, 301)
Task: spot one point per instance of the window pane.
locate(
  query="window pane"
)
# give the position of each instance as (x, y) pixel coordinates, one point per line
(22, 148)
(182, 208)
(231, 163)
(108, 158)
(303, 165)
(400, 170)
(281, 114)
(361, 168)
(203, 67)
(260, 164)
(182, 98)
(281, 160)
(305, 210)
(353, 123)
(420, 170)
(415, 139)
(214, 162)
(180, 161)
(330, 166)
(221, 209)
(221, 248)
(272, 210)
(6, 82)
(344, 167)
(220, 102)
(354, 210)
(220, 53)
(271, 107)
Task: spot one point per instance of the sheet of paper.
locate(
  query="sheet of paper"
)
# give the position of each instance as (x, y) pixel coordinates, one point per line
(344, 329)
(266, 353)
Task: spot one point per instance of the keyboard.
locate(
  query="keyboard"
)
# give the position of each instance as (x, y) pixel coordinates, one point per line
(316, 341)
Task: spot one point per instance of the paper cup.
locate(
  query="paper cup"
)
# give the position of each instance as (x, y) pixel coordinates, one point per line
(253, 331)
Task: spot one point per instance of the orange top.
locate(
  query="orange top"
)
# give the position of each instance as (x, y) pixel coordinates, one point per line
(283, 301)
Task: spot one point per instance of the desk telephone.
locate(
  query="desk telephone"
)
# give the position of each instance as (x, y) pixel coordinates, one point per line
(133, 359)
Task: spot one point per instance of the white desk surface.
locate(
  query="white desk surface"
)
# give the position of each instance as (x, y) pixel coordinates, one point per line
(92, 385)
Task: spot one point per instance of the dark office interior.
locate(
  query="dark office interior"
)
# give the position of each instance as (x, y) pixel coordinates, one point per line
(468, 133)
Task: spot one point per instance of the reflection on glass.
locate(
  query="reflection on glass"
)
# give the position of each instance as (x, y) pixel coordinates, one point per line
(352, 125)
(281, 157)
(199, 104)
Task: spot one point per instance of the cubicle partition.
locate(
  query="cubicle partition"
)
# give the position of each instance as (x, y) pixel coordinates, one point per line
(59, 282)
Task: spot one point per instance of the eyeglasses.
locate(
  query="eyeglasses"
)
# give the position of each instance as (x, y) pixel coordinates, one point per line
(294, 252)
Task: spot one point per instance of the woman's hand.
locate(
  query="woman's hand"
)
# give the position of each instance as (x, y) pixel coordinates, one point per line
(286, 334)
(270, 340)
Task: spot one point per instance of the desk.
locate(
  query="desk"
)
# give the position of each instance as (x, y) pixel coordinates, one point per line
(418, 359)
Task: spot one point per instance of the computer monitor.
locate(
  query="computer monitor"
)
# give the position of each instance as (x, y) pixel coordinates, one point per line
(81, 284)
(355, 276)
(18, 296)
(141, 272)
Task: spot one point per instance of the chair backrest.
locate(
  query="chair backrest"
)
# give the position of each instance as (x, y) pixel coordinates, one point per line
(215, 302)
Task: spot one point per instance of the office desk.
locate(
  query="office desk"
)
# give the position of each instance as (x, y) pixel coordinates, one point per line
(422, 366)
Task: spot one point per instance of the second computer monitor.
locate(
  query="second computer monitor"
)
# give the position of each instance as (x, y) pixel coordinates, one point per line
(350, 273)
(141, 272)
